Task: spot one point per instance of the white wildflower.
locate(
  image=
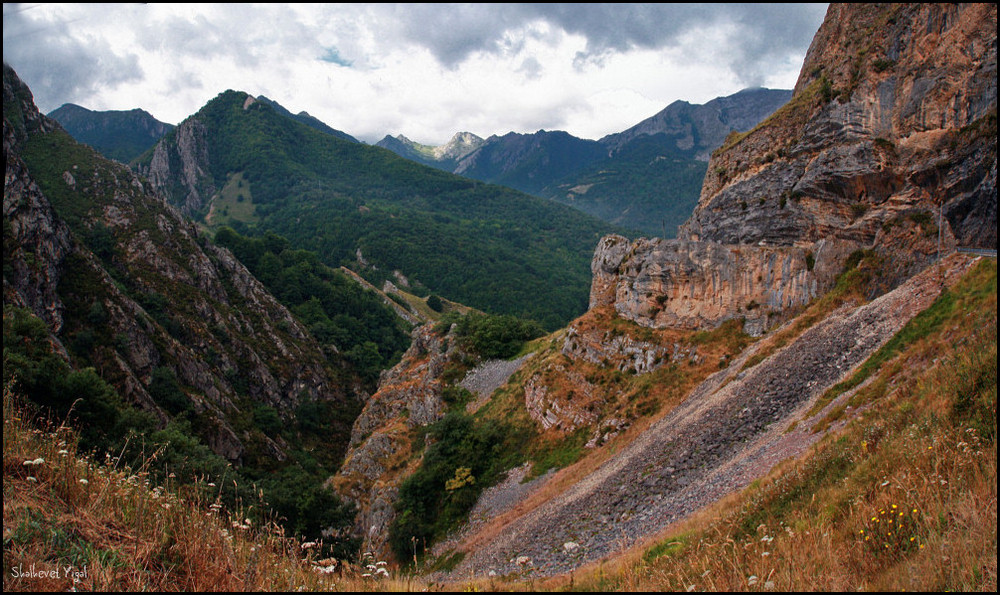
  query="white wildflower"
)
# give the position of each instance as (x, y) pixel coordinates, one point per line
(84, 481)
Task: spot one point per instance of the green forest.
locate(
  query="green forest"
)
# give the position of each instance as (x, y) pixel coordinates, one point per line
(487, 246)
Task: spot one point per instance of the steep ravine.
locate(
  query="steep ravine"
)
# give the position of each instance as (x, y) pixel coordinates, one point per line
(726, 433)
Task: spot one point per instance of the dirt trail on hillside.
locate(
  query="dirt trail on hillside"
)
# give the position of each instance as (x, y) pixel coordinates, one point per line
(729, 431)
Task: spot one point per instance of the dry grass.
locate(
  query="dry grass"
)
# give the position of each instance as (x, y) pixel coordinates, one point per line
(70, 522)
(922, 455)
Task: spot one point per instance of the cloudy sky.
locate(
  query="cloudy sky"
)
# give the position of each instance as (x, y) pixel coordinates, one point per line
(423, 70)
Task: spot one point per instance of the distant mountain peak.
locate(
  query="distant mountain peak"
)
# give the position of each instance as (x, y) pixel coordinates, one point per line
(117, 134)
(441, 157)
(703, 127)
(459, 146)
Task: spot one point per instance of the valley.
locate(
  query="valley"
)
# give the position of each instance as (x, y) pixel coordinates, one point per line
(264, 355)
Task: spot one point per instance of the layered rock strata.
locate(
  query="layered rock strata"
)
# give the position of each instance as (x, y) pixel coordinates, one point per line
(888, 143)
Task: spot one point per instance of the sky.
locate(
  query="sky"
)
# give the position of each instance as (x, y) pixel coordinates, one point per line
(425, 71)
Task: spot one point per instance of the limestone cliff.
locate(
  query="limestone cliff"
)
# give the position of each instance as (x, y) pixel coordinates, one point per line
(888, 143)
(183, 162)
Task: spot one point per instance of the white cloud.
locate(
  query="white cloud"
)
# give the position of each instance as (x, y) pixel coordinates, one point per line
(424, 70)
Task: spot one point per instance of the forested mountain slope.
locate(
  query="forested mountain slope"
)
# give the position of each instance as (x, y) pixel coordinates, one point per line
(479, 244)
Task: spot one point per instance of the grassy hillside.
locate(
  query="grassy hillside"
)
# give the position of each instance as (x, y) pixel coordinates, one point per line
(649, 186)
(76, 523)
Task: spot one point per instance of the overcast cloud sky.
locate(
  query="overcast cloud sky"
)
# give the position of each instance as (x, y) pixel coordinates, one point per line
(423, 70)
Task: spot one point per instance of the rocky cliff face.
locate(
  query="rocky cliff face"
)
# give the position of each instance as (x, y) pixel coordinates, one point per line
(184, 162)
(889, 143)
(378, 460)
(693, 285)
(94, 252)
(894, 113)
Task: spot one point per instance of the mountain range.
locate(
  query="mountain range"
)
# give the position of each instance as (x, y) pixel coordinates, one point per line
(646, 178)
(744, 406)
(240, 162)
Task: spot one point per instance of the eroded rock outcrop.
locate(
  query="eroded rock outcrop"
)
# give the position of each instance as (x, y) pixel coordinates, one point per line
(888, 143)
(693, 285)
(409, 395)
(183, 159)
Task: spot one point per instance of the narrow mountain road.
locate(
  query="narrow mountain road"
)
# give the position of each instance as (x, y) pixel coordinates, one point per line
(729, 431)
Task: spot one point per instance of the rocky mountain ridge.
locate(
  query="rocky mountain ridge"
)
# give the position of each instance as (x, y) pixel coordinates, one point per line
(308, 120)
(378, 459)
(888, 144)
(620, 178)
(89, 240)
(703, 128)
(444, 157)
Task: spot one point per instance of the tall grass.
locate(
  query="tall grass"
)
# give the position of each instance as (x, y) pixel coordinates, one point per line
(71, 522)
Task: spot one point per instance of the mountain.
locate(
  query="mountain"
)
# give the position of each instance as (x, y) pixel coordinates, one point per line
(120, 135)
(306, 119)
(482, 245)
(701, 129)
(652, 175)
(646, 178)
(528, 162)
(444, 157)
(806, 294)
(121, 317)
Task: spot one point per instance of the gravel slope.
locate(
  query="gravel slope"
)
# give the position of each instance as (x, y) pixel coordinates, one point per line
(729, 431)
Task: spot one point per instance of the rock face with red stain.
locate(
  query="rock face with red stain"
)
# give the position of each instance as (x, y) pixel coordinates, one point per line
(888, 144)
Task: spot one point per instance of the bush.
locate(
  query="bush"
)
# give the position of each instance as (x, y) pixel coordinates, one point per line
(497, 337)
(466, 457)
